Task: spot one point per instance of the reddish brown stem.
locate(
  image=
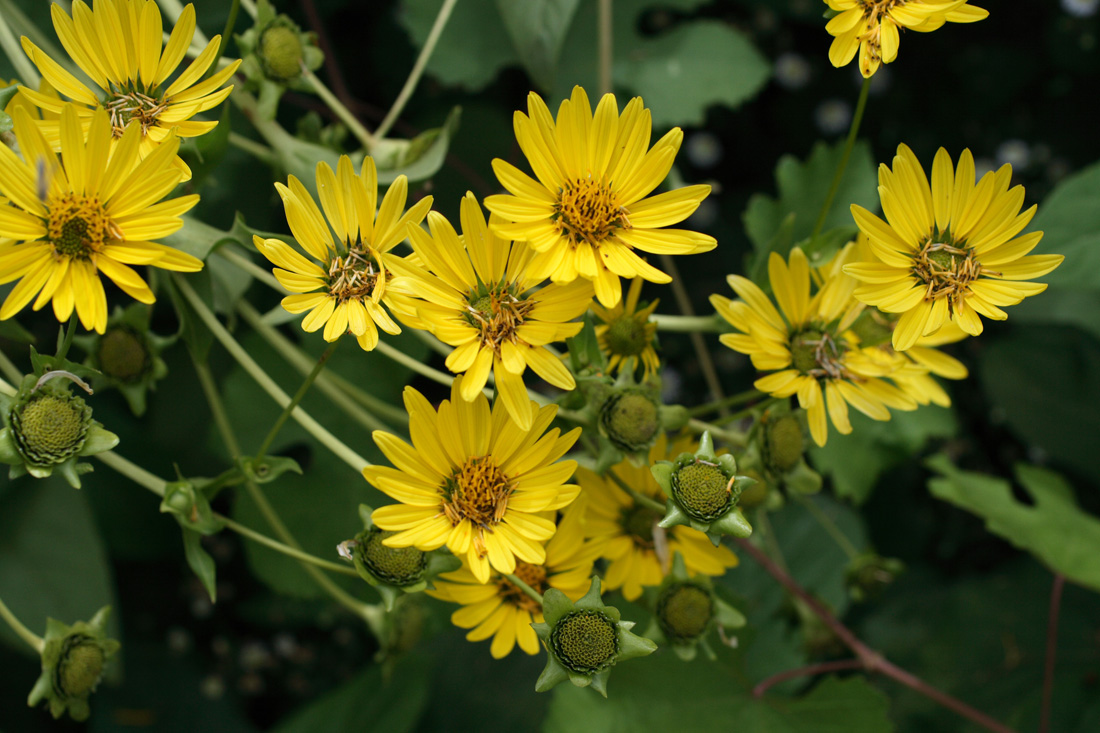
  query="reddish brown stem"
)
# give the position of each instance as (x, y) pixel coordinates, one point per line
(868, 658)
(1052, 648)
(810, 671)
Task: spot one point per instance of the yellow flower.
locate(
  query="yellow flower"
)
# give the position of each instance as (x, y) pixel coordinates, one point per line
(345, 291)
(588, 211)
(627, 332)
(88, 212)
(871, 26)
(476, 295)
(474, 481)
(500, 609)
(949, 251)
(118, 45)
(808, 345)
(626, 530)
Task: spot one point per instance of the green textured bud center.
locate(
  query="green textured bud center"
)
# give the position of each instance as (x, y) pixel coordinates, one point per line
(585, 641)
(631, 420)
(805, 350)
(626, 336)
(873, 328)
(783, 443)
(637, 522)
(123, 355)
(684, 611)
(51, 427)
(80, 667)
(74, 233)
(702, 490)
(484, 306)
(398, 566)
(281, 49)
(944, 260)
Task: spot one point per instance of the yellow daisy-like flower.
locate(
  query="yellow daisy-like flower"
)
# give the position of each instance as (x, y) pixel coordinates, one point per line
(949, 252)
(628, 531)
(871, 27)
(474, 481)
(118, 44)
(500, 609)
(88, 212)
(626, 332)
(808, 346)
(344, 288)
(590, 208)
(476, 295)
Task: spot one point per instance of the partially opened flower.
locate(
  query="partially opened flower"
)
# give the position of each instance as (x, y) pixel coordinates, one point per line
(625, 331)
(476, 293)
(590, 208)
(345, 284)
(474, 481)
(871, 27)
(86, 212)
(119, 45)
(948, 252)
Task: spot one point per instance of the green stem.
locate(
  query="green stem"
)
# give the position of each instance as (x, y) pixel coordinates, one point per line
(230, 23)
(286, 549)
(417, 366)
(342, 112)
(257, 150)
(134, 472)
(433, 343)
(417, 70)
(605, 44)
(857, 118)
(217, 408)
(7, 389)
(34, 640)
(732, 401)
(639, 498)
(173, 9)
(749, 410)
(531, 592)
(250, 8)
(10, 45)
(688, 324)
(9, 369)
(250, 267)
(270, 438)
(67, 341)
(702, 353)
(734, 439)
(330, 441)
(829, 526)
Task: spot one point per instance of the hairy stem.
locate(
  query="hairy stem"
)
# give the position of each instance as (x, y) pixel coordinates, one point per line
(638, 497)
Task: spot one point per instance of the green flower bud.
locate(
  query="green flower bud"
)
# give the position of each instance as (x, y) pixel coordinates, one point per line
(123, 355)
(73, 659)
(585, 641)
(400, 566)
(627, 336)
(281, 52)
(782, 443)
(127, 355)
(703, 490)
(80, 667)
(684, 611)
(630, 419)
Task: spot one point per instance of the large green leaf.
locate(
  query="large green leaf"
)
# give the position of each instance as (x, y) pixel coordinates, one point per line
(1070, 220)
(474, 24)
(537, 29)
(1054, 529)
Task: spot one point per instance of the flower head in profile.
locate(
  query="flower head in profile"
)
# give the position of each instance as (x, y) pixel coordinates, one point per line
(872, 27)
(475, 292)
(502, 610)
(475, 481)
(626, 332)
(949, 252)
(87, 212)
(345, 284)
(805, 347)
(118, 44)
(628, 533)
(590, 208)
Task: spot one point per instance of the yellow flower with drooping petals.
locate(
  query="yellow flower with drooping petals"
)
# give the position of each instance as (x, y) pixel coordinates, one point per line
(476, 293)
(86, 212)
(119, 45)
(626, 332)
(590, 208)
(346, 285)
(475, 481)
(871, 27)
(947, 252)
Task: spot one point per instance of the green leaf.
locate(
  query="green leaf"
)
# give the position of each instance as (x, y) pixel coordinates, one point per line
(1069, 220)
(474, 24)
(537, 29)
(52, 562)
(1055, 529)
(200, 561)
(418, 158)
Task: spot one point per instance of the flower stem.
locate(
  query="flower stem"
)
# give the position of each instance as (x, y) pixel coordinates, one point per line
(702, 353)
(257, 150)
(271, 434)
(699, 427)
(687, 324)
(417, 69)
(732, 401)
(251, 268)
(1052, 648)
(230, 23)
(639, 498)
(534, 594)
(67, 340)
(34, 640)
(417, 366)
(217, 408)
(605, 45)
(338, 108)
(829, 526)
(857, 118)
(134, 472)
(808, 671)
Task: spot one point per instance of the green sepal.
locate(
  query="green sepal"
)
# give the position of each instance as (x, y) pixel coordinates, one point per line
(200, 562)
(662, 472)
(98, 440)
(268, 468)
(191, 507)
(8, 452)
(42, 363)
(802, 479)
(556, 604)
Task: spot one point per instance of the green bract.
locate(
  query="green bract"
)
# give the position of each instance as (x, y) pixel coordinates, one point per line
(73, 658)
(274, 50)
(685, 609)
(46, 427)
(703, 490)
(584, 640)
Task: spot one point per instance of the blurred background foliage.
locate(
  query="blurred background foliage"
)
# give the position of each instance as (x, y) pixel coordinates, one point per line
(763, 113)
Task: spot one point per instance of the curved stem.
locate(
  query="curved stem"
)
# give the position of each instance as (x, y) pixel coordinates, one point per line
(257, 150)
(338, 108)
(1052, 649)
(808, 671)
(637, 496)
(271, 434)
(605, 42)
(217, 409)
(732, 401)
(417, 70)
(531, 592)
(857, 118)
(286, 549)
(33, 640)
(687, 324)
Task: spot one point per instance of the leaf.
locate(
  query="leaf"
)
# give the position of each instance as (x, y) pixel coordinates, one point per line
(537, 29)
(1055, 529)
(52, 562)
(418, 158)
(200, 561)
(1069, 220)
(474, 24)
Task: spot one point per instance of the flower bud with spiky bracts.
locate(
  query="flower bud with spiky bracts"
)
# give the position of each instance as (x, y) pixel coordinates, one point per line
(275, 49)
(73, 658)
(685, 609)
(127, 355)
(47, 428)
(703, 490)
(778, 451)
(869, 573)
(392, 570)
(584, 640)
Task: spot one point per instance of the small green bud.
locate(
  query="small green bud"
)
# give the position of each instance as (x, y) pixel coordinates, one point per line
(73, 658)
(631, 419)
(281, 52)
(80, 667)
(783, 443)
(585, 641)
(626, 336)
(400, 566)
(703, 490)
(51, 427)
(123, 355)
(684, 611)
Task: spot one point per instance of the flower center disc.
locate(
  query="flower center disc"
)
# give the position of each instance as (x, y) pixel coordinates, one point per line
(684, 610)
(133, 106)
(479, 492)
(399, 566)
(532, 575)
(588, 211)
(703, 490)
(353, 276)
(946, 270)
(585, 641)
(626, 336)
(817, 354)
(497, 315)
(77, 226)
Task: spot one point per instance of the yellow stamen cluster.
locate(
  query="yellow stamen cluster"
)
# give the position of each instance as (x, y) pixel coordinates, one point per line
(497, 315)
(819, 354)
(355, 275)
(946, 269)
(77, 226)
(588, 211)
(133, 106)
(479, 491)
